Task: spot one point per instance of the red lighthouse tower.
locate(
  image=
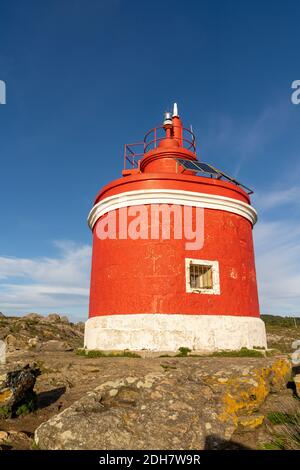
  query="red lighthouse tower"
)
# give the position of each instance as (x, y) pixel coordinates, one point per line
(173, 260)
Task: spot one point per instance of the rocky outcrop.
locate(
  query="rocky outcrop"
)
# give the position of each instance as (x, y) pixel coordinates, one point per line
(35, 332)
(15, 387)
(190, 407)
(55, 345)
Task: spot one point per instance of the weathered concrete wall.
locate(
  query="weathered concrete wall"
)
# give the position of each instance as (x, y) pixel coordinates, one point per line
(170, 332)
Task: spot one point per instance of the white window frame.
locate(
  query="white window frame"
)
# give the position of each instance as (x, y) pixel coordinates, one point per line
(215, 290)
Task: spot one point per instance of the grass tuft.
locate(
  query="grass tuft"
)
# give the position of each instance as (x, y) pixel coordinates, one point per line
(285, 429)
(183, 352)
(243, 352)
(279, 417)
(92, 353)
(27, 405)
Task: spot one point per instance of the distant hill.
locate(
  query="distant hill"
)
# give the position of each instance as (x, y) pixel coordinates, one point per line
(277, 320)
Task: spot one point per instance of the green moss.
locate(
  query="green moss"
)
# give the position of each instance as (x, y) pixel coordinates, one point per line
(24, 409)
(243, 352)
(183, 352)
(27, 405)
(5, 412)
(95, 353)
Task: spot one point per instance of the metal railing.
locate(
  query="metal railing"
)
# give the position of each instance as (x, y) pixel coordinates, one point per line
(155, 135)
(134, 152)
(131, 155)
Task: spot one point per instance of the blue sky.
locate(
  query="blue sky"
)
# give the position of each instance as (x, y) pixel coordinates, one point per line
(83, 78)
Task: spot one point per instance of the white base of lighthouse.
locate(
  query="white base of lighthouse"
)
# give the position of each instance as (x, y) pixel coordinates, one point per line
(162, 332)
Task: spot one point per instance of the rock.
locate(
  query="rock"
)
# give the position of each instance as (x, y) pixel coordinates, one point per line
(296, 344)
(27, 333)
(14, 385)
(33, 316)
(13, 437)
(296, 357)
(12, 343)
(52, 318)
(18, 435)
(297, 384)
(248, 423)
(33, 342)
(184, 408)
(117, 402)
(3, 436)
(55, 345)
(64, 319)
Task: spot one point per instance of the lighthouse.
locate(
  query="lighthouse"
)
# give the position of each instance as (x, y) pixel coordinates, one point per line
(173, 259)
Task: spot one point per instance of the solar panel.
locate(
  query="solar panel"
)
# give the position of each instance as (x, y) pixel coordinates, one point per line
(197, 166)
(188, 164)
(191, 165)
(206, 168)
(209, 169)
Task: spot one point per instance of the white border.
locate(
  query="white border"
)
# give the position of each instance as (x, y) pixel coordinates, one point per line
(171, 196)
(169, 332)
(215, 276)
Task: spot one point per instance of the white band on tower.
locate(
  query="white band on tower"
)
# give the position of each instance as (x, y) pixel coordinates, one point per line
(171, 196)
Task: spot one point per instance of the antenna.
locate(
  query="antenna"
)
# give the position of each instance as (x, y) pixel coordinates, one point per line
(175, 110)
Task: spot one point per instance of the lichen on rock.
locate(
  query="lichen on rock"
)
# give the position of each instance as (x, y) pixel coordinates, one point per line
(177, 408)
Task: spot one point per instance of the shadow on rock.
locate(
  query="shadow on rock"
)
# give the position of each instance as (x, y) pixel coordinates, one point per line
(213, 442)
(296, 370)
(51, 396)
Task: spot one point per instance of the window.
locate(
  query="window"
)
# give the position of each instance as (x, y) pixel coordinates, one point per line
(202, 276)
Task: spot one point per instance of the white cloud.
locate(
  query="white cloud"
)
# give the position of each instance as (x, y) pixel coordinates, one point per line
(47, 284)
(277, 244)
(277, 197)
